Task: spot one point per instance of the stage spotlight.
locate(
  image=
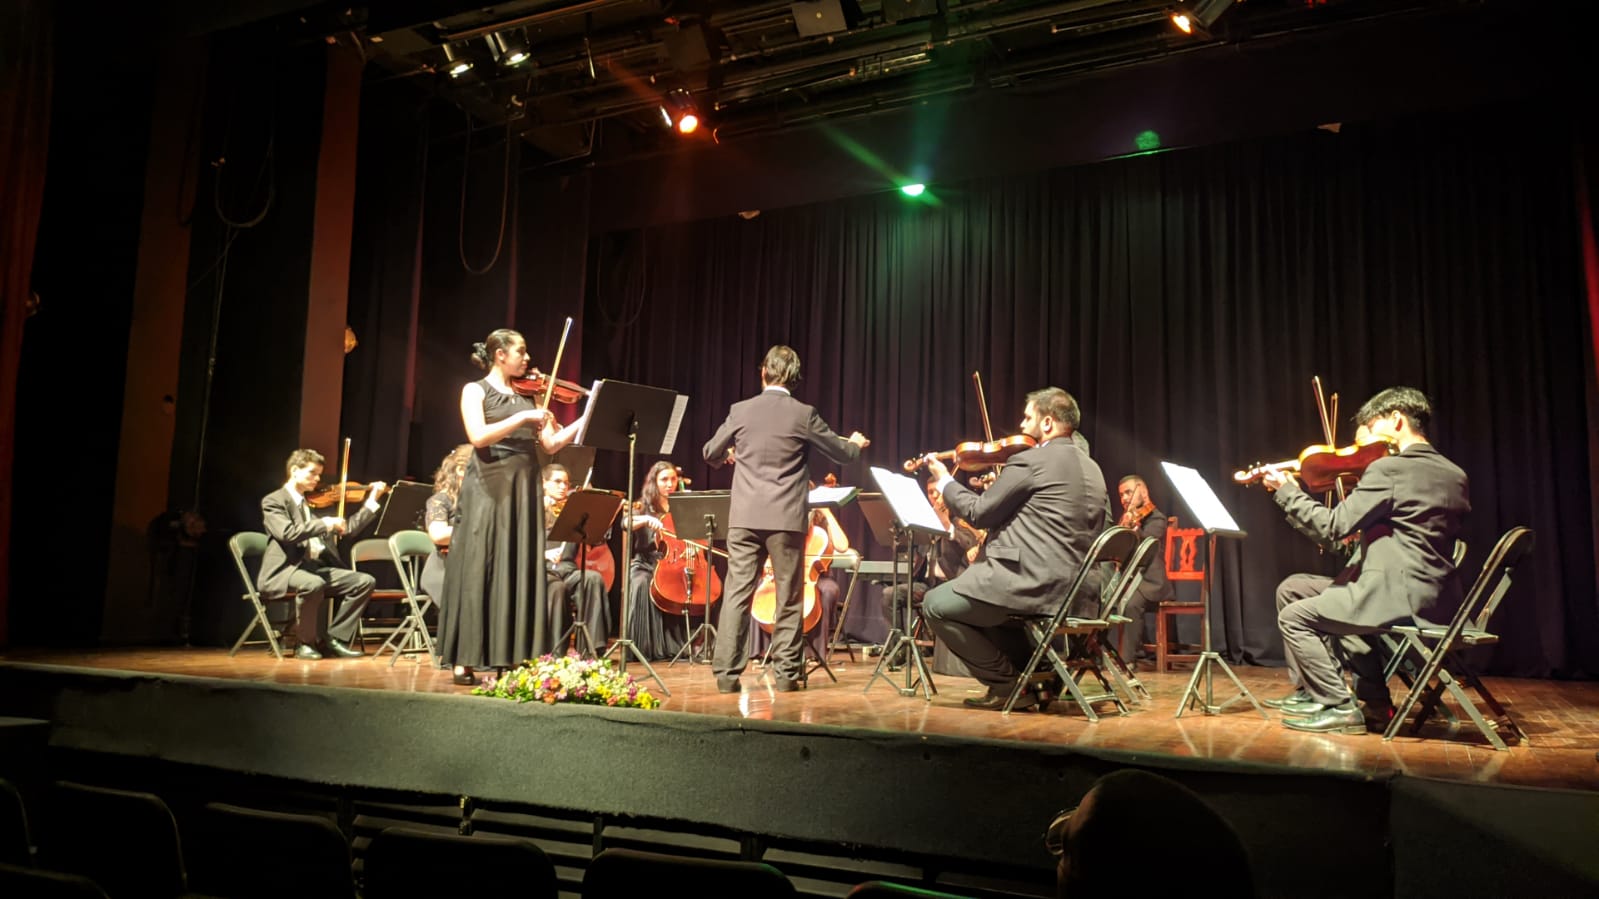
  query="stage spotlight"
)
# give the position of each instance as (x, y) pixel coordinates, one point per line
(507, 48)
(678, 111)
(913, 190)
(1198, 15)
(456, 62)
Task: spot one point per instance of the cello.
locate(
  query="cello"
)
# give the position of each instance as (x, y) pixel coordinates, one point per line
(763, 607)
(685, 582)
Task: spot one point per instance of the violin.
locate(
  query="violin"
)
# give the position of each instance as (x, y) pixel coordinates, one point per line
(763, 608)
(1134, 518)
(975, 454)
(332, 494)
(1322, 467)
(535, 383)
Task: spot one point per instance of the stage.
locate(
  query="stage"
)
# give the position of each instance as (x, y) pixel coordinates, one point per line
(835, 784)
(1561, 719)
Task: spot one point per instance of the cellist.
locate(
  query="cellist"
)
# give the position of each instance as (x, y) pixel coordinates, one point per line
(656, 634)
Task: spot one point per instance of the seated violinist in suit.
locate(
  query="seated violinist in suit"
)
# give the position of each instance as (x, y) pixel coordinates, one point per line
(302, 556)
(1140, 515)
(586, 589)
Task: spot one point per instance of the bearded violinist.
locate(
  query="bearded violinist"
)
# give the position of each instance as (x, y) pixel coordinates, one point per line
(1042, 515)
(586, 589)
(1140, 516)
(1409, 508)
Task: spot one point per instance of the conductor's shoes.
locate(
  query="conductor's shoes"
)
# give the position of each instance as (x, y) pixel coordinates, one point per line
(337, 648)
(728, 685)
(307, 652)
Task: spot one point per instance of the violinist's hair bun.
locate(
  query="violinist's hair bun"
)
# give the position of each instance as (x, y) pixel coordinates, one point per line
(480, 356)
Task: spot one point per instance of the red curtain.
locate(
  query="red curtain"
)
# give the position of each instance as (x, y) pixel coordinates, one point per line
(26, 50)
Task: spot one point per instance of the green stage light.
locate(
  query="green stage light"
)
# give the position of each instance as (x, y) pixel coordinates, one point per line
(913, 190)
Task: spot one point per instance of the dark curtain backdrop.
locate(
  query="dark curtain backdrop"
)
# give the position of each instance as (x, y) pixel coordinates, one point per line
(26, 72)
(1186, 299)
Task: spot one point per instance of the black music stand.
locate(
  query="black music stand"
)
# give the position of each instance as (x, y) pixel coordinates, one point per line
(618, 417)
(585, 518)
(701, 512)
(402, 510)
(1196, 494)
(910, 519)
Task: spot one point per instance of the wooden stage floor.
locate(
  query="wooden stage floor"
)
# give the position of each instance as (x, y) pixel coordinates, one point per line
(1561, 718)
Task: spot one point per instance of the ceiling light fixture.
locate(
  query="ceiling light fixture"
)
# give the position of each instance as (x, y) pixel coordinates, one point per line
(1192, 16)
(457, 64)
(507, 48)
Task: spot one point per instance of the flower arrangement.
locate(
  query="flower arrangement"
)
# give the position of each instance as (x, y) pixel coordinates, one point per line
(569, 678)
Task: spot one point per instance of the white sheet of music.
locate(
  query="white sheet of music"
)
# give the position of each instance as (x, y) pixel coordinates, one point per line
(583, 427)
(670, 440)
(1196, 494)
(908, 499)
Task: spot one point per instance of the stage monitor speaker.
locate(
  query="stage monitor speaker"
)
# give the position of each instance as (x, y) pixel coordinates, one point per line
(905, 10)
(818, 17)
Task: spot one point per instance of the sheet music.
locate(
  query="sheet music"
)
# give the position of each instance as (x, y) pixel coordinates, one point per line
(670, 440)
(583, 428)
(906, 497)
(834, 497)
(1195, 493)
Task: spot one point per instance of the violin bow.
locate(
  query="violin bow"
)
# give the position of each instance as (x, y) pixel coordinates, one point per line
(549, 389)
(1329, 415)
(344, 476)
(982, 406)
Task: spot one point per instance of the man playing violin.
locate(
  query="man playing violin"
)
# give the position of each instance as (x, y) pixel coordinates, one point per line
(1141, 517)
(302, 557)
(1042, 515)
(586, 588)
(772, 436)
(1409, 507)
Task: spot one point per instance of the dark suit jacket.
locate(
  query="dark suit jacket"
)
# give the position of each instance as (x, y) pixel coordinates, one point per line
(1410, 507)
(289, 547)
(1042, 513)
(772, 436)
(1155, 586)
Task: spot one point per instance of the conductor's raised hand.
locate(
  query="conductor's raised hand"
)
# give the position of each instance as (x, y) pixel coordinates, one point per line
(859, 440)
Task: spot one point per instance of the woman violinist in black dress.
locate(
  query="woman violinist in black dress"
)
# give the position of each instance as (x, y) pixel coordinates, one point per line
(494, 611)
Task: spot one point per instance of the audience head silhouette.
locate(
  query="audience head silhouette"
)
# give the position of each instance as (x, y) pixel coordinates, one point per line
(1103, 842)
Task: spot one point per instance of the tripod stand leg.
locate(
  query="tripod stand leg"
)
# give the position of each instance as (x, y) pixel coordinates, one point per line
(893, 640)
(627, 646)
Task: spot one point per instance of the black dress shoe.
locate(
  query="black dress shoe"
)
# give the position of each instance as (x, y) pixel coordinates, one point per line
(1298, 696)
(1302, 709)
(463, 676)
(307, 652)
(996, 702)
(337, 648)
(728, 685)
(784, 685)
(1339, 719)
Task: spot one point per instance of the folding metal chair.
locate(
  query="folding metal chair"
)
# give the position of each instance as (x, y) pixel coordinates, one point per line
(409, 550)
(1113, 610)
(1443, 665)
(373, 549)
(247, 545)
(1114, 546)
(1401, 663)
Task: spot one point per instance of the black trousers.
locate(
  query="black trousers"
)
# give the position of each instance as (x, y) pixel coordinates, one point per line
(581, 593)
(747, 552)
(319, 584)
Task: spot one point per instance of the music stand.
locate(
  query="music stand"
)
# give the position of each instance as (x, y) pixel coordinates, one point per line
(1214, 518)
(577, 460)
(402, 508)
(618, 417)
(910, 516)
(585, 518)
(701, 512)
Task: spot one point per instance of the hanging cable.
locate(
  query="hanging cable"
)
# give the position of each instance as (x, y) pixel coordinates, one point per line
(505, 200)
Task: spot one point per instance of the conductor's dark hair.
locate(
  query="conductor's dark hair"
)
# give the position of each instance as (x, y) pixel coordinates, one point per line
(501, 339)
(781, 367)
(1409, 400)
